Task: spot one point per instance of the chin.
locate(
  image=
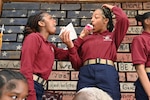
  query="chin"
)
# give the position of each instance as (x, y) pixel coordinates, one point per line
(94, 30)
(51, 33)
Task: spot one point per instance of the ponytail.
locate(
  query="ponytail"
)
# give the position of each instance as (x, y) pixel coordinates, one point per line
(28, 27)
(32, 24)
(107, 13)
(141, 18)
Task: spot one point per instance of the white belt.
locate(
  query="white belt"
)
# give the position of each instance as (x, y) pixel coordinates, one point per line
(99, 61)
(147, 70)
(39, 79)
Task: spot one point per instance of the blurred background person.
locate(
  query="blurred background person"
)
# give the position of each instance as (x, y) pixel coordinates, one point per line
(141, 58)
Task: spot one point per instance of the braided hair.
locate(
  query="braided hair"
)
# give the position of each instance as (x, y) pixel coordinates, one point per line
(32, 24)
(6, 75)
(107, 13)
(141, 18)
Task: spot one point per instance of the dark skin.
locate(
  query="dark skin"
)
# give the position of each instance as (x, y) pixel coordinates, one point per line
(48, 27)
(20, 92)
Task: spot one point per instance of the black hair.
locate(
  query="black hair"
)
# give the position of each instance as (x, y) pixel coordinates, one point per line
(32, 23)
(6, 75)
(141, 18)
(107, 13)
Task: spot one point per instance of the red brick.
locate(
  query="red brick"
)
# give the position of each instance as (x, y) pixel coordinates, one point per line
(124, 57)
(67, 95)
(59, 75)
(146, 5)
(74, 75)
(128, 38)
(132, 76)
(135, 6)
(67, 98)
(132, 21)
(128, 96)
(116, 4)
(122, 77)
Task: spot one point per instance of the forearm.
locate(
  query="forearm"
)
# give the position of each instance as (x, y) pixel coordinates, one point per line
(121, 26)
(143, 78)
(75, 59)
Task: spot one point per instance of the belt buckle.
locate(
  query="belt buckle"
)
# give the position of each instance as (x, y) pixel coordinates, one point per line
(98, 60)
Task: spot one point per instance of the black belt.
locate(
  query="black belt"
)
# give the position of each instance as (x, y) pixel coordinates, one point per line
(99, 61)
(39, 79)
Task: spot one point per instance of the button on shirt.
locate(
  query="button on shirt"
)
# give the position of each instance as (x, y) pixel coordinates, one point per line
(101, 45)
(141, 49)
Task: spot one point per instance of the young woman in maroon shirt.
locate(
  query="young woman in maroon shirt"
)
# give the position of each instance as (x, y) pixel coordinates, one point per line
(94, 54)
(37, 55)
(141, 58)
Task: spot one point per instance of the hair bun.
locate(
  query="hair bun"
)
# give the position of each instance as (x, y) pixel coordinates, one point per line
(139, 18)
(27, 30)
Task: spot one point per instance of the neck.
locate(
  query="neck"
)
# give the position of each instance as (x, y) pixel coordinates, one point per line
(101, 31)
(147, 30)
(45, 35)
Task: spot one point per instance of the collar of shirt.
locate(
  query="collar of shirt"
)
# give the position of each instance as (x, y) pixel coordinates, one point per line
(146, 33)
(103, 33)
(41, 37)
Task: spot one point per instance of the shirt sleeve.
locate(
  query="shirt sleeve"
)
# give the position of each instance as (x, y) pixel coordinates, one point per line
(28, 54)
(69, 54)
(121, 26)
(78, 42)
(60, 53)
(138, 52)
(74, 57)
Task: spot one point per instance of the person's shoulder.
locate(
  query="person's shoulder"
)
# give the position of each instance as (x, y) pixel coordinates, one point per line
(34, 35)
(140, 37)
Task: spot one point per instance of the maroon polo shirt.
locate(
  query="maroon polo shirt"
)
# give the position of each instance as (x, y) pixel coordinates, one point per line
(101, 45)
(141, 49)
(37, 57)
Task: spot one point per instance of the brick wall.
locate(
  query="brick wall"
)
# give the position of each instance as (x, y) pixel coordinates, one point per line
(63, 78)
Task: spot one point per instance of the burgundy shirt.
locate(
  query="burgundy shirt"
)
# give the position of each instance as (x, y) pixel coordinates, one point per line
(141, 49)
(101, 45)
(37, 57)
